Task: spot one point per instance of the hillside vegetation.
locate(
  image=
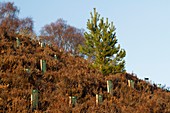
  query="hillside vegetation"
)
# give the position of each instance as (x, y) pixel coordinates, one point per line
(65, 76)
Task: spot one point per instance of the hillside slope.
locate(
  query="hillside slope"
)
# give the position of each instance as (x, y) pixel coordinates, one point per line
(67, 75)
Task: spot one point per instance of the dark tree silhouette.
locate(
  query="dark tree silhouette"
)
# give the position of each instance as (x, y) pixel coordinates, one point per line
(10, 23)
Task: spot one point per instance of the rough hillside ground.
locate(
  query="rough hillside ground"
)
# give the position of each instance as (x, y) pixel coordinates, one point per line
(68, 76)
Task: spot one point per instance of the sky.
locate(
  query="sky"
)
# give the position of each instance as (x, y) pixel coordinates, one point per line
(142, 28)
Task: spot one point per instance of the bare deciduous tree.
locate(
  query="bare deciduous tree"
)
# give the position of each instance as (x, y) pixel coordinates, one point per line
(62, 35)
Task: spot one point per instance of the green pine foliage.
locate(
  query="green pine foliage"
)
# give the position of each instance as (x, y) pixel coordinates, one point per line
(101, 46)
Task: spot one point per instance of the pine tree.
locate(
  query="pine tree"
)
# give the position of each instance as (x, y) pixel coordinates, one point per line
(101, 46)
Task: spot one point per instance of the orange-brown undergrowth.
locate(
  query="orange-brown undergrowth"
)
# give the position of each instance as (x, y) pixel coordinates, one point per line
(68, 76)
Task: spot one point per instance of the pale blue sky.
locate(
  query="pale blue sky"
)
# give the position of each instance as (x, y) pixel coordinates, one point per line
(142, 27)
